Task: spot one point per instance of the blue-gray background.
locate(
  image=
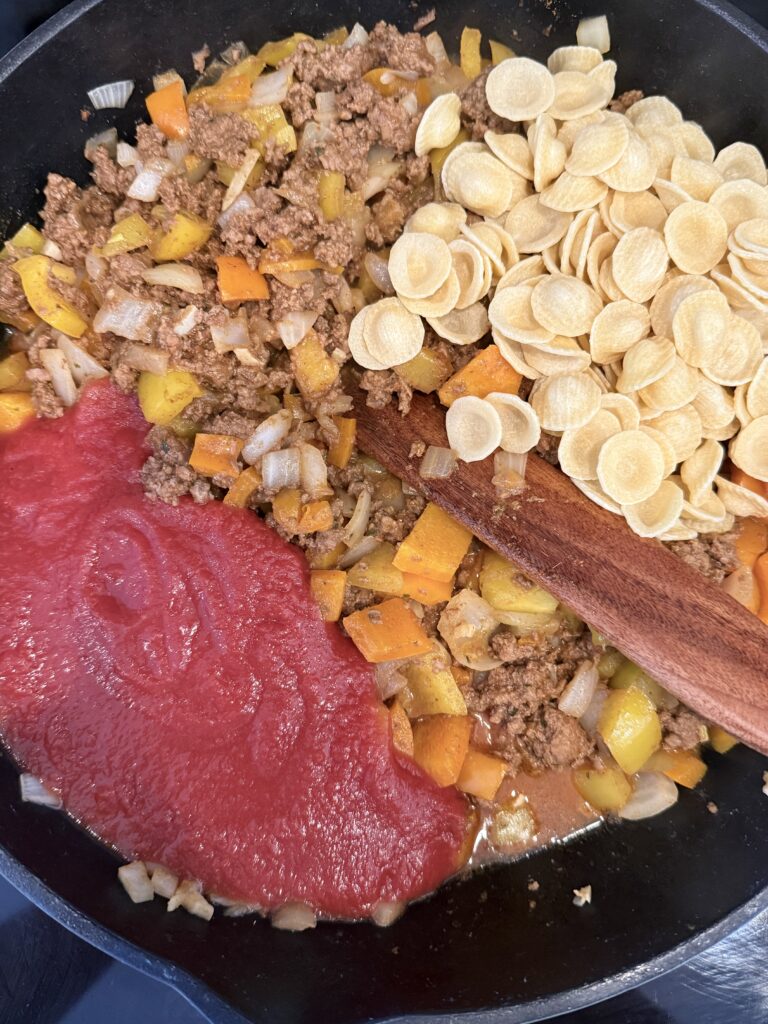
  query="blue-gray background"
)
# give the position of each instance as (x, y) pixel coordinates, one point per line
(48, 976)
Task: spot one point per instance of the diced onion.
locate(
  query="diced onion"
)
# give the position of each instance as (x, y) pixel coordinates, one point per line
(294, 326)
(343, 301)
(111, 95)
(271, 88)
(235, 52)
(353, 556)
(378, 271)
(281, 469)
(410, 103)
(268, 436)
(34, 792)
(381, 170)
(436, 49)
(141, 357)
(164, 882)
(355, 529)
(389, 678)
(327, 111)
(594, 32)
(509, 472)
(653, 793)
(579, 691)
(240, 205)
(164, 78)
(313, 472)
(387, 912)
(437, 464)
(528, 622)
(82, 365)
(591, 716)
(95, 266)
(313, 136)
(177, 150)
(294, 917)
(145, 185)
(240, 178)
(234, 334)
(136, 881)
(107, 139)
(189, 895)
(246, 358)
(186, 321)
(54, 361)
(466, 625)
(126, 155)
(53, 250)
(175, 275)
(357, 37)
(126, 316)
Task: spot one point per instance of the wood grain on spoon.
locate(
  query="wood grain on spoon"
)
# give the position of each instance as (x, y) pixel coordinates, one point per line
(707, 649)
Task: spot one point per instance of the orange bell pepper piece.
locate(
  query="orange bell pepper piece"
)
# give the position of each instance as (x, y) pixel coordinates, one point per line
(313, 368)
(488, 371)
(720, 740)
(738, 476)
(481, 774)
(435, 546)
(239, 494)
(238, 282)
(761, 575)
(387, 631)
(315, 517)
(682, 766)
(402, 732)
(13, 372)
(425, 590)
(328, 590)
(216, 454)
(440, 746)
(340, 451)
(15, 408)
(168, 110)
(286, 508)
(752, 541)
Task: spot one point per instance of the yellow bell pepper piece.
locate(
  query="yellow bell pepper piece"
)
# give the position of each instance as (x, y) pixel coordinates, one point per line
(630, 727)
(168, 110)
(127, 235)
(437, 157)
(376, 572)
(186, 233)
(286, 508)
(315, 517)
(440, 746)
(327, 559)
(15, 409)
(427, 371)
(402, 732)
(682, 766)
(341, 450)
(273, 53)
(239, 494)
(720, 740)
(481, 774)
(27, 237)
(226, 172)
(163, 396)
(216, 455)
(487, 371)
(431, 688)
(387, 631)
(469, 52)
(238, 282)
(290, 264)
(435, 546)
(629, 674)
(337, 37)
(13, 372)
(313, 368)
(499, 52)
(606, 790)
(228, 96)
(272, 126)
(328, 590)
(330, 191)
(250, 68)
(504, 587)
(34, 272)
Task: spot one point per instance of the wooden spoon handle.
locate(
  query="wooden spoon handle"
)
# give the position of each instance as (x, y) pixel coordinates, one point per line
(707, 649)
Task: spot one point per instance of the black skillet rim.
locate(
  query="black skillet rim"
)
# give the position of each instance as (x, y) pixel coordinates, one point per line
(194, 990)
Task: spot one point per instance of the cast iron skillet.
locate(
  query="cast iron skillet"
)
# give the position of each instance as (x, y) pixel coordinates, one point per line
(663, 889)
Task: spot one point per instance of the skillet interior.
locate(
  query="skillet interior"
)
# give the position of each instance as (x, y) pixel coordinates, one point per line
(477, 944)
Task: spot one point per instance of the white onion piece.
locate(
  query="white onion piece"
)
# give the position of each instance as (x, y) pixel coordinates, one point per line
(33, 791)
(387, 912)
(268, 436)
(136, 881)
(175, 275)
(594, 32)
(313, 136)
(95, 266)
(313, 472)
(163, 78)
(271, 88)
(141, 357)
(54, 361)
(410, 103)
(579, 691)
(234, 334)
(82, 365)
(107, 139)
(653, 793)
(466, 625)
(126, 316)
(240, 178)
(177, 150)
(327, 111)
(591, 716)
(528, 622)
(510, 462)
(353, 556)
(436, 49)
(378, 271)
(240, 205)
(389, 678)
(186, 321)
(111, 95)
(145, 185)
(164, 882)
(53, 250)
(355, 529)
(246, 358)
(382, 168)
(294, 917)
(281, 469)
(126, 155)
(357, 37)
(189, 895)
(437, 463)
(294, 326)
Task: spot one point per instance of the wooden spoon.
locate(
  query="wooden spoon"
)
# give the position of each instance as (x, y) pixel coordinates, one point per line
(707, 649)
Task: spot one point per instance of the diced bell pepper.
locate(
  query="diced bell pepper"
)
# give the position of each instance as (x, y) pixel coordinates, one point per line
(34, 272)
(163, 396)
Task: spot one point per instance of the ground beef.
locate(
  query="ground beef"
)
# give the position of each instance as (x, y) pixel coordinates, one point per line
(553, 740)
(392, 525)
(108, 175)
(202, 198)
(150, 142)
(392, 210)
(547, 447)
(404, 51)
(356, 99)
(346, 150)
(431, 618)
(681, 729)
(166, 474)
(337, 247)
(44, 397)
(355, 599)
(393, 123)
(381, 385)
(61, 218)
(711, 554)
(12, 298)
(627, 99)
(299, 102)
(476, 116)
(331, 68)
(223, 137)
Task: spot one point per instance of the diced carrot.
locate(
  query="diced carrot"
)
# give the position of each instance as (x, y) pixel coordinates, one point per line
(328, 590)
(402, 732)
(481, 774)
(340, 451)
(168, 109)
(286, 508)
(435, 546)
(327, 559)
(238, 282)
(425, 590)
(246, 483)
(469, 51)
(720, 740)
(315, 517)
(761, 575)
(313, 368)
(387, 631)
(15, 408)
(682, 766)
(229, 95)
(752, 541)
(216, 454)
(440, 745)
(487, 371)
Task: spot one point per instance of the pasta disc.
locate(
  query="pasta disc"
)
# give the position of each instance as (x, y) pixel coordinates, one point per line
(753, 283)
(604, 75)
(470, 271)
(574, 58)
(551, 262)
(462, 327)
(630, 210)
(739, 355)
(708, 510)
(419, 264)
(463, 149)
(520, 427)
(572, 247)
(699, 470)
(441, 219)
(514, 353)
(439, 124)
(739, 500)
(549, 156)
(623, 408)
(600, 249)
(535, 227)
(519, 89)
(391, 334)
(658, 514)
(569, 400)
(487, 243)
(491, 232)
(669, 297)
(655, 110)
(757, 393)
(635, 170)
(752, 235)
(741, 160)
(616, 328)
(742, 199)
(678, 532)
(670, 195)
(722, 433)
(569, 130)
(357, 345)
(630, 467)
(696, 235)
(664, 147)
(743, 415)
(698, 144)
(578, 94)
(714, 405)
(647, 361)
(664, 444)
(481, 183)
(597, 147)
(570, 194)
(473, 427)
(523, 271)
(607, 283)
(682, 428)
(738, 296)
(439, 304)
(580, 446)
(565, 305)
(561, 355)
(596, 494)
(513, 150)
(511, 314)
(699, 326)
(676, 388)
(639, 263)
(699, 178)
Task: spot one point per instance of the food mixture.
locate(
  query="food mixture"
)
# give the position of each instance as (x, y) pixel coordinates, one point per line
(339, 696)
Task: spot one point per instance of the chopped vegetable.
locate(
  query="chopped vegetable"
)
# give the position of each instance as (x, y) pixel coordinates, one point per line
(504, 587)
(389, 82)
(486, 372)
(341, 450)
(376, 572)
(425, 590)
(438, 156)
(315, 517)
(330, 190)
(131, 233)
(286, 508)
(111, 95)
(34, 791)
(653, 794)
(499, 52)
(27, 237)
(427, 371)
(752, 541)
(275, 52)
(162, 398)
(402, 731)
(327, 559)
(293, 917)
(136, 881)
(313, 368)
(242, 488)
(271, 128)
(761, 575)
(720, 740)
(168, 109)
(328, 590)
(431, 688)
(440, 745)
(229, 95)
(481, 774)
(387, 631)
(607, 790)
(513, 825)
(185, 234)
(435, 546)
(630, 727)
(238, 282)
(291, 263)
(13, 370)
(216, 454)
(189, 896)
(34, 272)
(629, 674)
(469, 52)
(682, 766)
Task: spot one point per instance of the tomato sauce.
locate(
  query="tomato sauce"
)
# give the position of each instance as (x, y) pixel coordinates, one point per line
(166, 671)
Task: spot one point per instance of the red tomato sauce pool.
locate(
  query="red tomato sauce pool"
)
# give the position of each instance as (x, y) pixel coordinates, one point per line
(166, 670)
